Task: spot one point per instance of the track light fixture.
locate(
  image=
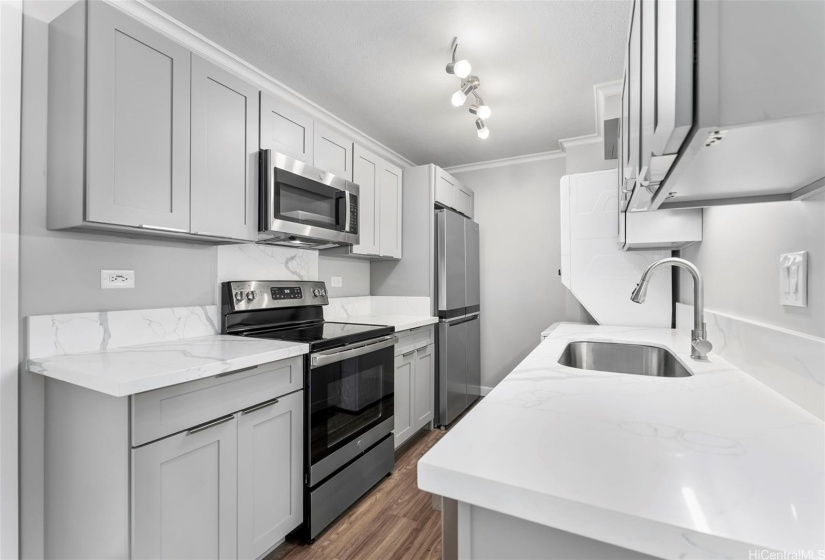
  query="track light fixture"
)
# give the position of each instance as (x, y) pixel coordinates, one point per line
(469, 85)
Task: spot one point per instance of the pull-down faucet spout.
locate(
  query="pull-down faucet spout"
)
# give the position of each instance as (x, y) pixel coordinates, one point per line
(699, 344)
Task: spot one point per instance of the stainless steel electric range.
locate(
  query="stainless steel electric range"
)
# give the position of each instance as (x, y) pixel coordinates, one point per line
(348, 390)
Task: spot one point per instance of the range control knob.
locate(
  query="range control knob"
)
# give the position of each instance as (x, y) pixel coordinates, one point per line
(238, 296)
(323, 292)
(250, 295)
(316, 292)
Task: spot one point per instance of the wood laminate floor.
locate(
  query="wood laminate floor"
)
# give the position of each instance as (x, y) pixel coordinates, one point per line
(394, 521)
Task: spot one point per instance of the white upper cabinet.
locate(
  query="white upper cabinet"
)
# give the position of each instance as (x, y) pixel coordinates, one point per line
(379, 207)
(724, 103)
(390, 210)
(365, 172)
(333, 151)
(138, 124)
(224, 153)
(451, 193)
(286, 129)
(169, 139)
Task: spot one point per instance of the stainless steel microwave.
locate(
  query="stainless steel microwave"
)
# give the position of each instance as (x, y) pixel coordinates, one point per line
(301, 206)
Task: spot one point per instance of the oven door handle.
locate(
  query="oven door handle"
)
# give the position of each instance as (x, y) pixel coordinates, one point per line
(320, 359)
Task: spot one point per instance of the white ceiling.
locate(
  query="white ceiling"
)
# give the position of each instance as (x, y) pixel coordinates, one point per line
(380, 65)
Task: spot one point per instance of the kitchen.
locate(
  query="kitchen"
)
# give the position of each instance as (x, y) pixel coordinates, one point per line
(140, 275)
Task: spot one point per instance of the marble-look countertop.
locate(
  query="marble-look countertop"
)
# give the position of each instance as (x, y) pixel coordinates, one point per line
(710, 466)
(400, 322)
(134, 369)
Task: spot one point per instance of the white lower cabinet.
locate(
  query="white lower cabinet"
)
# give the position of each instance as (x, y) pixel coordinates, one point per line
(210, 469)
(414, 386)
(270, 503)
(402, 410)
(184, 495)
(423, 399)
(230, 488)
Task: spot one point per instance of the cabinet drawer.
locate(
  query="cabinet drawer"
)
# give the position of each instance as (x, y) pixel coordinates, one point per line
(159, 413)
(413, 339)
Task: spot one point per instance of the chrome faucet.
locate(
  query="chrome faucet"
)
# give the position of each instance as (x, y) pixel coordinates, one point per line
(699, 343)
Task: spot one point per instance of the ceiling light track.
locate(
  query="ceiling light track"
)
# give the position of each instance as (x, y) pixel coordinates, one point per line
(469, 85)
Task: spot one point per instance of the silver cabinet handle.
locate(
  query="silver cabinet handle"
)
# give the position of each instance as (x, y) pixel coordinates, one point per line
(264, 404)
(410, 353)
(164, 228)
(250, 368)
(331, 356)
(211, 424)
(210, 234)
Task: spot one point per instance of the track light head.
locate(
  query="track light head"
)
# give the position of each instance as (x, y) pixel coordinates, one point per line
(481, 111)
(460, 68)
(483, 131)
(467, 87)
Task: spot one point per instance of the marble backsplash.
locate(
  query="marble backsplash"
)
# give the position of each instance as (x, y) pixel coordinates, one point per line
(790, 363)
(251, 261)
(56, 335)
(377, 305)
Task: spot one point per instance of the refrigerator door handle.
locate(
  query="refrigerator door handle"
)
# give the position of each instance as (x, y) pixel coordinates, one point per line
(462, 319)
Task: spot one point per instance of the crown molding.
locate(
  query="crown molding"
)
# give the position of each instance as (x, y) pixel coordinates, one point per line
(580, 141)
(517, 160)
(197, 43)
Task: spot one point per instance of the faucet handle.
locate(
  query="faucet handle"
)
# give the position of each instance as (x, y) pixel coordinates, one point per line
(702, 346)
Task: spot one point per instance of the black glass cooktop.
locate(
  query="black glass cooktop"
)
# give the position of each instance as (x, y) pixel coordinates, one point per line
(321, 336)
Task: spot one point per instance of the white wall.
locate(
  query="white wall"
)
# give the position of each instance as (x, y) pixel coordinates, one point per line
(11, 43)
(587, 157)
(517, 207)
(739, 260)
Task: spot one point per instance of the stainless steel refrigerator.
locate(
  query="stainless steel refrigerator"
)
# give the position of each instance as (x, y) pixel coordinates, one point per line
(459, 313)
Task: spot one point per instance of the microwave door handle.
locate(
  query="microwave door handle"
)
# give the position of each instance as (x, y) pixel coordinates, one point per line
(347, 211)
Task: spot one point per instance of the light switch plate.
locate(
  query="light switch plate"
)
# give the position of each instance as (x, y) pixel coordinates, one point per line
(793, 279)
(117, 279)
(337, 281)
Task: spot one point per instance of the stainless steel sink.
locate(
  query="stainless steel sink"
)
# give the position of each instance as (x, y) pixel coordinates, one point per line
(637, 359)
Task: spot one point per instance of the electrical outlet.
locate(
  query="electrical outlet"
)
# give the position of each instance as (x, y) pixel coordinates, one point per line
(337, 281)
(793, 279)
(117, 279)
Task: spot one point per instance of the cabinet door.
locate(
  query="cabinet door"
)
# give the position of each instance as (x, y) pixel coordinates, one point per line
(184, 495)
(404, 383)
(365, 171)
(270, 465)
(390, 214)
(445, 189)
(224, 153)
(464, 204)
(333, 152)
(137, 124)
(634, 101)
(286, 129)
(423, 394)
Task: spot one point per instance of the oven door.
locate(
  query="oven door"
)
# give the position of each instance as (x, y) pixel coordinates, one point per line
(350, 403)
(304, 201)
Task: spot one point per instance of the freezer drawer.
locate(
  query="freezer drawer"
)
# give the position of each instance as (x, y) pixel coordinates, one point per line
(459, 373)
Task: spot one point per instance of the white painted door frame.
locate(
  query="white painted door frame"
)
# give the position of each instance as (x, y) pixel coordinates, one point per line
(11, 58)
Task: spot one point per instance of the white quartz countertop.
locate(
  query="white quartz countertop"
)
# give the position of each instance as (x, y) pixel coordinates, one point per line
(709, 466)
(134, 369)
(400, 322)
